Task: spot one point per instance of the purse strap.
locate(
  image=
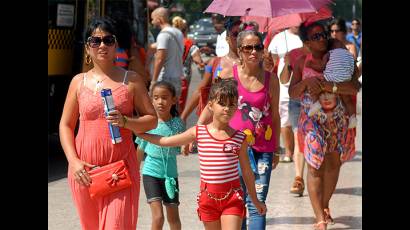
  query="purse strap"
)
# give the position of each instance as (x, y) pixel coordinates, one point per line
(165, 163)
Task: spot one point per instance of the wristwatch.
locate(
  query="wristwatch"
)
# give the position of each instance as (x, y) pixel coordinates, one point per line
(334, 89)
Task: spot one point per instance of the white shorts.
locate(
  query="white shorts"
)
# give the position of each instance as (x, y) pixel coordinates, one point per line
(284, 113)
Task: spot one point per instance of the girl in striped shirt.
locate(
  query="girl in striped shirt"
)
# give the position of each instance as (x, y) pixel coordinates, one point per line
(220, 200)
(337, 66)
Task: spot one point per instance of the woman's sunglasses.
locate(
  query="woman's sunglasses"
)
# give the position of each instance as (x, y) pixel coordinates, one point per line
(317, 36)
(250, 48)
(95, 42)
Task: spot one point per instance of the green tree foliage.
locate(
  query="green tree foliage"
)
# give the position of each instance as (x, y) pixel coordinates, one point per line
(344, 9)
(194, 9)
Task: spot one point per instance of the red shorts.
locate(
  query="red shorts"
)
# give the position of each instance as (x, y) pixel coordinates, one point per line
(210, 208)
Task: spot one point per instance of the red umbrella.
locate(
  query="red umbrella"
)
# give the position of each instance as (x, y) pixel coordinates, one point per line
(265, 8)
(286, 21)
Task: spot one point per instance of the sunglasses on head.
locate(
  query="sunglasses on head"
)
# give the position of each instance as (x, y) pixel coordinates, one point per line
(250, 48)
(317, 36)
(95, 42)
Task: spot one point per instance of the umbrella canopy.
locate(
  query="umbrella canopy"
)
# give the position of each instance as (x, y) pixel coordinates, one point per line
(286, 21)
(265, 8)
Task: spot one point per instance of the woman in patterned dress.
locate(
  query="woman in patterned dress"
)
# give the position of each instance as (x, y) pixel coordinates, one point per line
(325, 145)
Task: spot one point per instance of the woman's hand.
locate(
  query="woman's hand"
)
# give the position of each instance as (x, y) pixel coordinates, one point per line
(313, 85)
(77, 167)
(116, 118)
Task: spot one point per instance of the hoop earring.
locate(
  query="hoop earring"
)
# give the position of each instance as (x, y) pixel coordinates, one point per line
(87, 59)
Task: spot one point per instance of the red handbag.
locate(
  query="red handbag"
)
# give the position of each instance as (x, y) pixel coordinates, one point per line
(109, 179)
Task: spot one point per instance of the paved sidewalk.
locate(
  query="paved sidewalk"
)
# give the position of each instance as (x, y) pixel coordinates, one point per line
(285, 211)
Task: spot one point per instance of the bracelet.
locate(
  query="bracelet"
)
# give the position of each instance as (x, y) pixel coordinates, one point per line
(276, 153)
(124, 119)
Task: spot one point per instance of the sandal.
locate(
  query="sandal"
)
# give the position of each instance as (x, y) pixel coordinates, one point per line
(321, 225)
(286, 159)
(298, 186)
(328, 218)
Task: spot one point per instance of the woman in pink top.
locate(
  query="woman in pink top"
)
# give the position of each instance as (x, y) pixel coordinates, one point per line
(92, 146)
(325, 145)
(257, 115)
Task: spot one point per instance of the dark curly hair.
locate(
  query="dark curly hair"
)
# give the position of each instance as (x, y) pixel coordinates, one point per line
(341, 23)
(304, 29)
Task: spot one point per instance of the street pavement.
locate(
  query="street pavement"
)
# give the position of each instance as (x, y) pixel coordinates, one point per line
(285, 210)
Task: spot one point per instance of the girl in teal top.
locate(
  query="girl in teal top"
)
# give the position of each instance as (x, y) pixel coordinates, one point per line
(160, 165)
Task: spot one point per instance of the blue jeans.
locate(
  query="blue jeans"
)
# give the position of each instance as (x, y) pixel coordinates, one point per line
(262, 179)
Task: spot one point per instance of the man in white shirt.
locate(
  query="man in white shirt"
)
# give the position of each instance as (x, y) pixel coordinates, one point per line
(281, 44)
(168, 64)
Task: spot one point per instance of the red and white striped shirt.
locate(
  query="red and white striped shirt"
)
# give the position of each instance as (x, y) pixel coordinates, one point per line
(218, 159)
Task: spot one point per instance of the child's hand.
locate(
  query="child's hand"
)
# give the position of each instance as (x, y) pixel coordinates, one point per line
(185, 150)
(261, 207)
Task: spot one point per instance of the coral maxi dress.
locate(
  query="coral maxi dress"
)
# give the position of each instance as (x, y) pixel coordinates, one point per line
(93, 144)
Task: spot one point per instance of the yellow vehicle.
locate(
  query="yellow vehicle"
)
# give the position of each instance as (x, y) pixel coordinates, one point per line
(67, 20)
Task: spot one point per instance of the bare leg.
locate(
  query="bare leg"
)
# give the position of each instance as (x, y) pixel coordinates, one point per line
(298, 158)
(298, 185)
(173, 217)
(287, 135)
(315, 185)
(214, 225)
(331, 176)
(157, 215)
(231, 222)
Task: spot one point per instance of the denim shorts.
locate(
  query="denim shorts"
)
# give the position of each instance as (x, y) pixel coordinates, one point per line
(294, 112)
(155, 190)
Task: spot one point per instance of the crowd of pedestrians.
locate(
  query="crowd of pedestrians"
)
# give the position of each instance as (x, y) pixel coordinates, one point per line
(301, 86)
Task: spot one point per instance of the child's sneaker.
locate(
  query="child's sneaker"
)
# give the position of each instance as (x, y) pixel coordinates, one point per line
(314, 108)
(352, 122)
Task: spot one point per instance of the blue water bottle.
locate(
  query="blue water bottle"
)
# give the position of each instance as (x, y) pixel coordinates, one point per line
(108, 102)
